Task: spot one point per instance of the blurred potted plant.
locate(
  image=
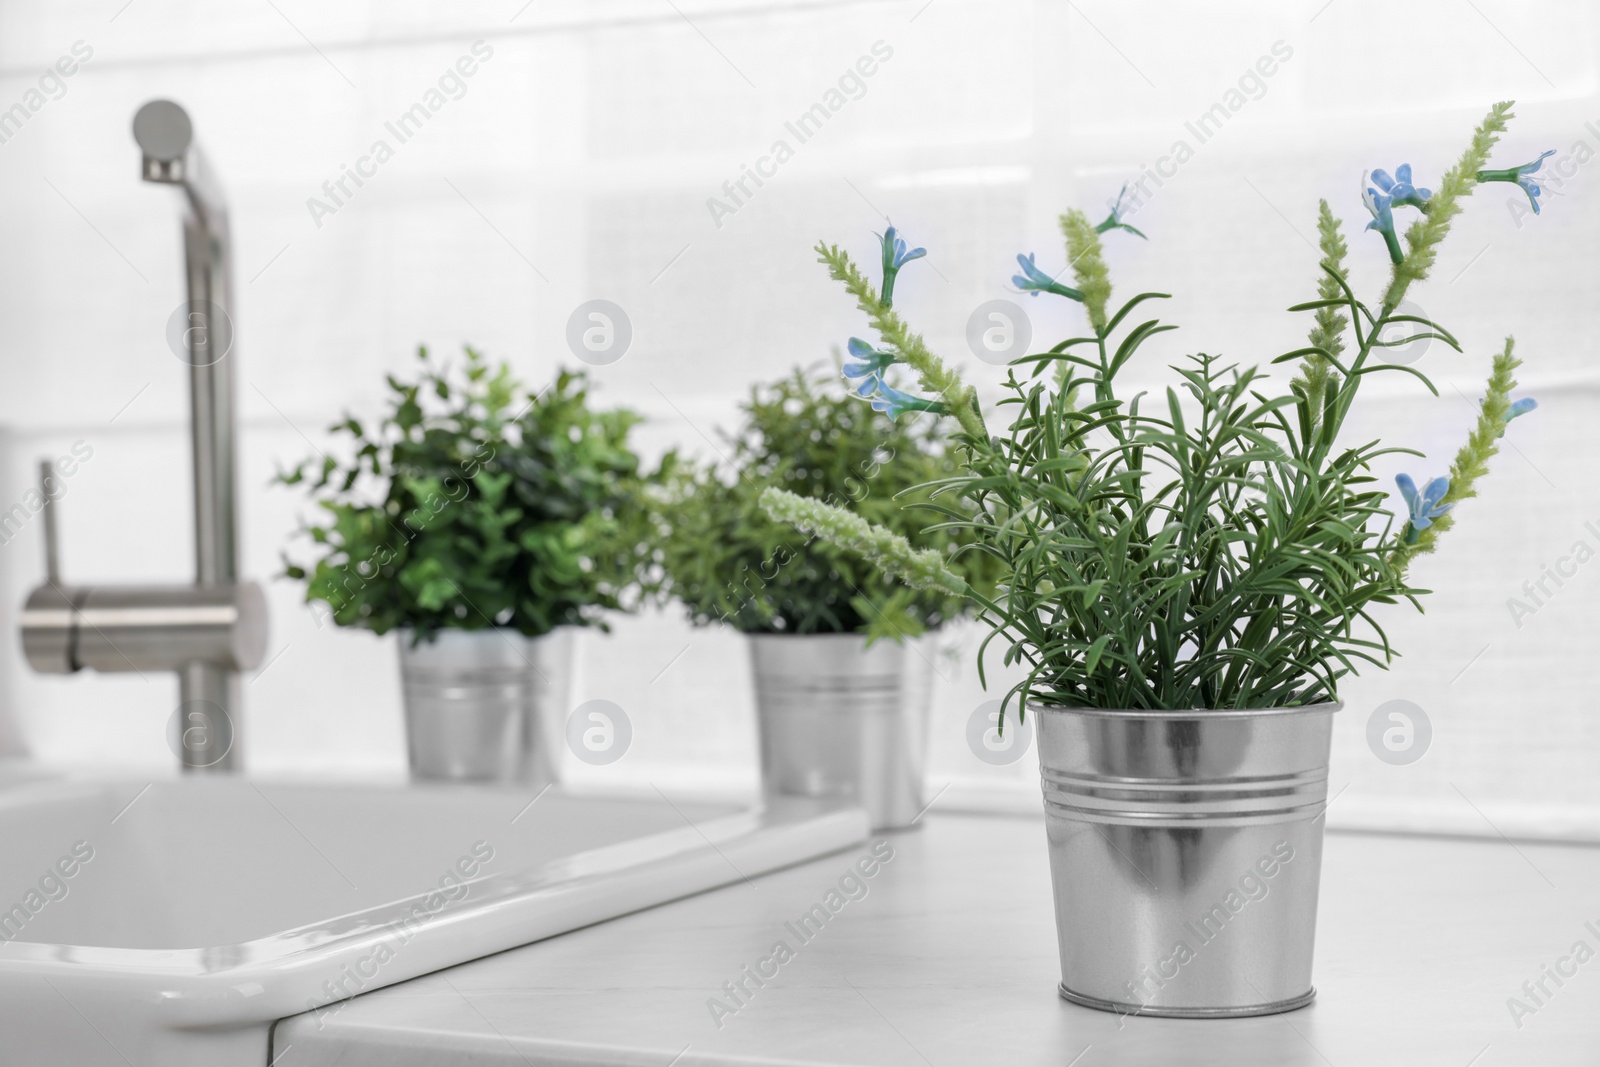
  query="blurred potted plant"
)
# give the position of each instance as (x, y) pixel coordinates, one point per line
(841, 665)
(1188, 582)
(487, 526)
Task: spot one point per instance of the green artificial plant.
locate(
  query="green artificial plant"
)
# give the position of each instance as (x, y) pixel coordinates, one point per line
(727, 561)
(473, 503)
(1219, 546)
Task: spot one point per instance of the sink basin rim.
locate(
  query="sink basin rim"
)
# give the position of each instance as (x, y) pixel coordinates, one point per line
(287, 972)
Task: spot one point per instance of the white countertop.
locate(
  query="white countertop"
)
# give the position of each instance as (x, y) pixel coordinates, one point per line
(950, 959)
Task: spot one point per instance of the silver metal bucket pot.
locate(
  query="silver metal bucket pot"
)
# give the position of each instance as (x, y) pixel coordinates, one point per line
(1185, 850)
(839, 719)
(486, 705)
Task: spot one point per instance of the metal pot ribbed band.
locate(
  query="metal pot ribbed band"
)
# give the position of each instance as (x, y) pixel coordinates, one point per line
(472, 676)
(469, 693)
(796, 689)
(1111, 799)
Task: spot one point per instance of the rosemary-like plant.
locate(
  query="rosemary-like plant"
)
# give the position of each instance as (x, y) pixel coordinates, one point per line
(1218, 548)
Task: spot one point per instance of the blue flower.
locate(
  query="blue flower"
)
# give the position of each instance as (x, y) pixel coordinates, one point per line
(893, 403)
(1519, 175)
(1114, 221)
(1424, 507)
(1515, 409)
(1396, 192)
(1382, 218)
(1399, 188)
(870, 370)
(1521, 407)
(867, 375)
(895, 256)
(1378, 205)
(1034, 281)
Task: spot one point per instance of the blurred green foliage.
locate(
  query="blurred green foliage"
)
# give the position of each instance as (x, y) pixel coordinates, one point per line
(473, 503)
(726, 560)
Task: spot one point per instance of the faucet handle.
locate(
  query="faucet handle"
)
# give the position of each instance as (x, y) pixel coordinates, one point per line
(49, 618)
(52, 540)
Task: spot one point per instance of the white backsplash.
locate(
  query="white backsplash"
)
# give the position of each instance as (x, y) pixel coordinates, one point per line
(578, 164)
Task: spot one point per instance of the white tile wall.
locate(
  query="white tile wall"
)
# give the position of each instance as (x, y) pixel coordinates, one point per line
(578, 164)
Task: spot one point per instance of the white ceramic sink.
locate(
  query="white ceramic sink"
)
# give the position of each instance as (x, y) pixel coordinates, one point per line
(169, 924)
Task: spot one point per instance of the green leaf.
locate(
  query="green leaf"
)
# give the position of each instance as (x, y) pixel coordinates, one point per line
(1092, 658)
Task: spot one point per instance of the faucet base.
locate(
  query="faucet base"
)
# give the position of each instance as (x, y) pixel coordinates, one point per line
(205, 729)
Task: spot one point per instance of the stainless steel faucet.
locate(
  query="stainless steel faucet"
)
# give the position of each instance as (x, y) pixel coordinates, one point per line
(211, 630)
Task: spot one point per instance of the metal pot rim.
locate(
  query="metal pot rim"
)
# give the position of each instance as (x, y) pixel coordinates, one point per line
(1190, 713)
(833, 635)
(409, 632)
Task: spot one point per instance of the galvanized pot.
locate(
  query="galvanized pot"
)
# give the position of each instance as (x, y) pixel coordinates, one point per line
(839, 719)
(1185, 851)
(487, 705)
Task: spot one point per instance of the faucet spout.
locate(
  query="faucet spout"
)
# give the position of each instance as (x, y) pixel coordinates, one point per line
(171, 156)
(215, 628)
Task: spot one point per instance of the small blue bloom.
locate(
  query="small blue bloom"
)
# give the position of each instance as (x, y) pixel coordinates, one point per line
(1382, 218)
(1378, 205)
(870, 370)
(894, 403)
(895, 256)
(1032, 278)
(1519, 175)
(1034, 281)
(1424, 507)
(1114, 221)
(1399, 188)
(1521, 407)
(1514, 409)
(867, 376)
(1391, 192)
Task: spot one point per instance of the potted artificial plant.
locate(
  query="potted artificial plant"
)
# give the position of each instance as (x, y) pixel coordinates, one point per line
(842, 671)
(1188, 580)
(486, 525)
